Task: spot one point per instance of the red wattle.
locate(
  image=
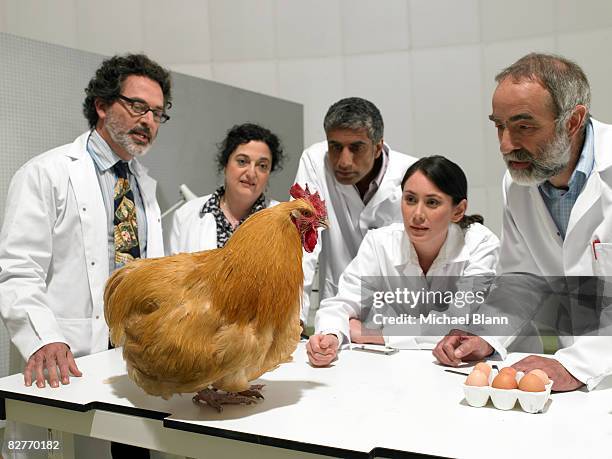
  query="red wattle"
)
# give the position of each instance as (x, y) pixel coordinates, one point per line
(310, 240)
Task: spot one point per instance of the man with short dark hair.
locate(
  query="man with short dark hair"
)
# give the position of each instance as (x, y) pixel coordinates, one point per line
(358, 176)
(557, 205)
(75, 214)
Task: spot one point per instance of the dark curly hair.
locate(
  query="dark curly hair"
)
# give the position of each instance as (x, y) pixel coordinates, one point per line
(449, 178)
(244, 133)
(106, 83)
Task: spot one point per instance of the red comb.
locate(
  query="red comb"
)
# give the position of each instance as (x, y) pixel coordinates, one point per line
(298, 192)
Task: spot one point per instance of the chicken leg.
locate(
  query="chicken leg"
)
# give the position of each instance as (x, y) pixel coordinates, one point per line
(216, 399)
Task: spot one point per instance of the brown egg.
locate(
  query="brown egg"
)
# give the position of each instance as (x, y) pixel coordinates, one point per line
(541, 374)
(477, 378)
(484, 367)
(504, 381)
(511, 371)
(531, 383)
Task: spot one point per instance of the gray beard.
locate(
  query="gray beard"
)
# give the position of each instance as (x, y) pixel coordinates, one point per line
(124, 140)
(553, 158)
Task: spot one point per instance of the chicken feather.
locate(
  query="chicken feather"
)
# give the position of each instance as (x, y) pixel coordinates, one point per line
(221, 317)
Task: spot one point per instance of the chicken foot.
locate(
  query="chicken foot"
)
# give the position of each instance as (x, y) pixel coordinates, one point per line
(215, 399)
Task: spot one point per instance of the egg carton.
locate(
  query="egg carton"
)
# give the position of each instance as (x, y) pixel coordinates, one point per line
(505, 399)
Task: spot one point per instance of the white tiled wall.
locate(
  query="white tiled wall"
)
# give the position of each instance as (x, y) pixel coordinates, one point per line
(368, 28)
(108, 28)
(177, 35)
(371, 76)
(502, 20)
(444, 23)
(428, 64)
(316, 83)
(447, 101)
(241, 29)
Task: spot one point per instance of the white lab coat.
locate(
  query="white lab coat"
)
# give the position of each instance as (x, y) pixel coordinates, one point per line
(387, 254)
(530, 244)
(54, 254)
(54, 257)
(349, 218)
(192, 232)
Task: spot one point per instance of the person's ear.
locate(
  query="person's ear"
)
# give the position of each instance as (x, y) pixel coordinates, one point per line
(576, 121)
(378, 147)
(459, 211)
(101, 108)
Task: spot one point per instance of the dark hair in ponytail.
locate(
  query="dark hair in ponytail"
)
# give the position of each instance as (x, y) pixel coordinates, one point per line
(449, 178)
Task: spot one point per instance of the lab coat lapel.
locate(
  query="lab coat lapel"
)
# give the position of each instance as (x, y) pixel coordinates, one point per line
(384, 191)
(389, 182)
(91, 210)
(147, 185)
(588, 198)
(591, 194)
(405, 260)
(544, 215)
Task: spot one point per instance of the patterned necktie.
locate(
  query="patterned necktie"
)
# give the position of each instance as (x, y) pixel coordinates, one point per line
(126, 227)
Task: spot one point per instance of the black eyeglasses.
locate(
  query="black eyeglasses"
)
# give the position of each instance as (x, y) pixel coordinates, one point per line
(141, 108)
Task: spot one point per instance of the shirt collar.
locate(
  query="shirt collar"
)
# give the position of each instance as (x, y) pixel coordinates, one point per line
(453, 249)
(376, 181)
(385, 162)
(587, 155)
(213, 204)
(101, 152)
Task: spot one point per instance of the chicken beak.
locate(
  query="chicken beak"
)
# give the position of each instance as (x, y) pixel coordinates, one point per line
(324, 222)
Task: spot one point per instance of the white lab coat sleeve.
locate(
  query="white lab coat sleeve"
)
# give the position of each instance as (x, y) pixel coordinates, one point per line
(334, 313)
(514, 258)
(479, 272)
(306, 174)
(25, 255)
(587, 359)
(484, 257)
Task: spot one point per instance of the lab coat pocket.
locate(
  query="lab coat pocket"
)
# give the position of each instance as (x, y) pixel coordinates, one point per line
(602, 267)
(78, 335)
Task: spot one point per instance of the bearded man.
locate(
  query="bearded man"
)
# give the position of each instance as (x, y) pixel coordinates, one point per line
(73, 215)
(557, 205)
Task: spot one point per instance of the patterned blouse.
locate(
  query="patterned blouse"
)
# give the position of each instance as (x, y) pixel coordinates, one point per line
(224, 228)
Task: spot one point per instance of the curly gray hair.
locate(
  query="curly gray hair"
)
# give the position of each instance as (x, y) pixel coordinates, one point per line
(564, 80)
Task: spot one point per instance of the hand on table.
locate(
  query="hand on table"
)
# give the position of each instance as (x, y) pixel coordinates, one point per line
(563, 379)
(51, 356)
(373, 337)
(322, 349)
(460, 346)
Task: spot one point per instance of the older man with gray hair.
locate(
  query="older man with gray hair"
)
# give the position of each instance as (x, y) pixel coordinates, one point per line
(557, 208)
(358, 176)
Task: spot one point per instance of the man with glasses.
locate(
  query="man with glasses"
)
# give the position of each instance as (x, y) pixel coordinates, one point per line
(75, 214)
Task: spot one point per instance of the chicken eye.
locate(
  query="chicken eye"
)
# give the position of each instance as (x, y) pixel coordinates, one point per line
(306, 213)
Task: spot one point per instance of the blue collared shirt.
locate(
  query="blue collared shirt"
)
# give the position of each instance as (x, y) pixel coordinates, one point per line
(105, 158)
(560, 202)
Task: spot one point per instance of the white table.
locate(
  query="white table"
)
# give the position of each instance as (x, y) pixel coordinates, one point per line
(365, 405)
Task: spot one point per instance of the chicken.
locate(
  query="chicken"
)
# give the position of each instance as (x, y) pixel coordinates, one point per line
(218, 318)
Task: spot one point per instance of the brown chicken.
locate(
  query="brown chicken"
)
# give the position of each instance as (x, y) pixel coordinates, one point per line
(218, 319)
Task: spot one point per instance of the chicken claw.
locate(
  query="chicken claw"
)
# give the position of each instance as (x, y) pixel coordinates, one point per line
(253, 391)
(215, 399)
